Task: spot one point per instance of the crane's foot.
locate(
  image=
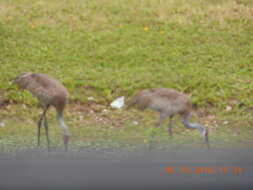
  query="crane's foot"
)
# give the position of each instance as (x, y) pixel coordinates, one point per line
(48, 149)
(170, 135)
(150, 146)
(207, 140)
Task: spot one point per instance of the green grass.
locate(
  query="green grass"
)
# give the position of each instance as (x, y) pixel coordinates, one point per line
(110, 48)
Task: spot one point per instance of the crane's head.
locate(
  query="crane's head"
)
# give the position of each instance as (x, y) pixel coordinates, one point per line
(21, 80)
(204, 133)
(66, 141)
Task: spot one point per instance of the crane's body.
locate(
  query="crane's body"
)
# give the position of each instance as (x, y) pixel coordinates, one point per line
(49, 92)
(168, 103)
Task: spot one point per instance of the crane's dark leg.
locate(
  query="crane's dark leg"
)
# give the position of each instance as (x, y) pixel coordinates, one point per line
(38, 135)
(170, 126)
(161, 118)
(39, 126)
(40, 122)
(46, 130)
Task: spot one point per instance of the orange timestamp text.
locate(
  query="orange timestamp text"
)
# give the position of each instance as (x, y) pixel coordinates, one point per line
(204, 170)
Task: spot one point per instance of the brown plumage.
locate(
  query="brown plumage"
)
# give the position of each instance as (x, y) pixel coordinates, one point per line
(49, 92)
(168, 103)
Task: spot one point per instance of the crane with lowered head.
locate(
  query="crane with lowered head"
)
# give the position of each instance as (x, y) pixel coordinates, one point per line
(49, 92)
(168, 103)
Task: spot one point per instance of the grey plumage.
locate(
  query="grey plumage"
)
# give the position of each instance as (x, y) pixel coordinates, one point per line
(168, 103)
(49, 92)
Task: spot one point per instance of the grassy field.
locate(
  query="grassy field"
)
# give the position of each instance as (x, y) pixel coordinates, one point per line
(110, 48)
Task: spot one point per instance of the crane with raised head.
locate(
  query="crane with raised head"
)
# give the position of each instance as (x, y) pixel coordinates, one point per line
(49, 92)
(168, 103)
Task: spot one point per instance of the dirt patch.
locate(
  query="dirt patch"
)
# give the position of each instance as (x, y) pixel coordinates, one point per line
(80, 108)
(6, 102)
(202, 112)
(87, 107)
(104, 115)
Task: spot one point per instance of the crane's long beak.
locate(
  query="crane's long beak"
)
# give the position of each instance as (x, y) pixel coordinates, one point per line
(66, 141)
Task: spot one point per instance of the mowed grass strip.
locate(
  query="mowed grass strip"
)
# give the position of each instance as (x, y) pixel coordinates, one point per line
(111, 48)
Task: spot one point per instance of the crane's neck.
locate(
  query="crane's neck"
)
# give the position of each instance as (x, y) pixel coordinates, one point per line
(202, 129)
(63, 125)
(66, 132)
